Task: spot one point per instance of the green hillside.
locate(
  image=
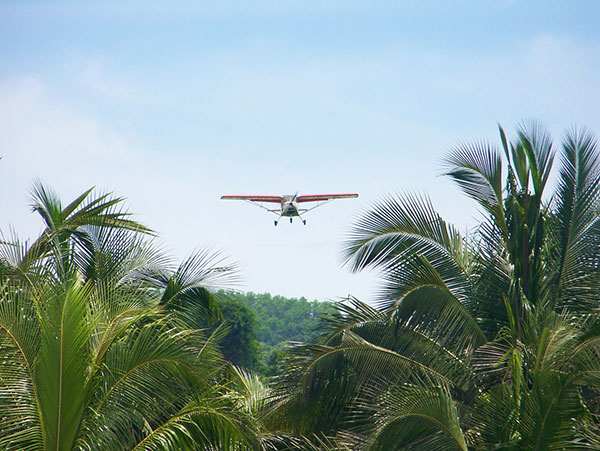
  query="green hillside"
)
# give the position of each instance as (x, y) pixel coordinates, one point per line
(275, 320)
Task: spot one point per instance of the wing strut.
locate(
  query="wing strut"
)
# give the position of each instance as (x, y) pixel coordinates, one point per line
(276, 211)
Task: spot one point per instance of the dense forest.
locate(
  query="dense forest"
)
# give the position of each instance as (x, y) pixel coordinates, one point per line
(484, 340)
(261, 325)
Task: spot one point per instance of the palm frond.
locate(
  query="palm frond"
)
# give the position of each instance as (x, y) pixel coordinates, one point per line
(251, 393)
(477, 169)
(188, 290)
(575, 228)
(63, 362)
(61, 224)
(203, 425)
(412, 245)
(20, 427)
(416, 418)
(148, 376)
(347, 314)
(315, 442)
(494, 421)
(537, 143)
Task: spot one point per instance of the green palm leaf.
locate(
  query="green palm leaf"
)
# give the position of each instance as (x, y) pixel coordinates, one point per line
(93, 355)
(575, 224)
(419, 419)
(19, 341)
(413, 247)
(477, 169)
(61, 368)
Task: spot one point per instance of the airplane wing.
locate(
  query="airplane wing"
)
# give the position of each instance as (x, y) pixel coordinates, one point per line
(274, 199)
(324, 197)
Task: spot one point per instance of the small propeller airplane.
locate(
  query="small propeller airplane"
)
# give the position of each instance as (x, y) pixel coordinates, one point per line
(289, 203)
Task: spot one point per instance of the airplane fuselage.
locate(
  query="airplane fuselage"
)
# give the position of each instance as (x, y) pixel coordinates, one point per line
(289, 207)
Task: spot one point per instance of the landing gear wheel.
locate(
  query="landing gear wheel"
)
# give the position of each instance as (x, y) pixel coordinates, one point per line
(290, 220)
(304, 221)
(275, 222)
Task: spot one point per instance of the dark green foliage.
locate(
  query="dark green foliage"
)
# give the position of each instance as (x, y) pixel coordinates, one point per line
(484, 341)
(278, 321)
(239, 345)
(99, 344)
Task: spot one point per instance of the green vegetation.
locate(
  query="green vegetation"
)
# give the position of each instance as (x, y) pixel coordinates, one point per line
(489, 340)
(239, 344)
(484, 341)
(276, 320)
(97, 344)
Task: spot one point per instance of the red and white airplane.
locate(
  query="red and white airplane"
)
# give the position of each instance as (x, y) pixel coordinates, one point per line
(289, 204)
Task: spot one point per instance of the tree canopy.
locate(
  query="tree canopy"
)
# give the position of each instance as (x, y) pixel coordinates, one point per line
(276, 321)
(483, 340)
(97, 350)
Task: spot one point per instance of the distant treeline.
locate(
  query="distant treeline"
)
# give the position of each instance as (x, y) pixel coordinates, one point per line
(260, 325)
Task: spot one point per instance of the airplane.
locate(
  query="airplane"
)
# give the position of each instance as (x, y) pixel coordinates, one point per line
(289, 203)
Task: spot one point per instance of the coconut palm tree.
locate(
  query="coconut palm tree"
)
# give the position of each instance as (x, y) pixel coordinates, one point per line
(489, 340)
(97, 350)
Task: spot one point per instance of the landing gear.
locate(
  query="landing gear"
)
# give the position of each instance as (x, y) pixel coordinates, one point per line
(291, 220)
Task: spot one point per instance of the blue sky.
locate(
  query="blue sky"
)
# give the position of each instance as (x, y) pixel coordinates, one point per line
(172, 104)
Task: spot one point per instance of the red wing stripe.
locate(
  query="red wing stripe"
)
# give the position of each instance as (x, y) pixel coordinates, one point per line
(275, 199)
(324, 197)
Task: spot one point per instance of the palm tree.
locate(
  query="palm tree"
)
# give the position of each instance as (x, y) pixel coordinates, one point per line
(97, 350)
(489, 340)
